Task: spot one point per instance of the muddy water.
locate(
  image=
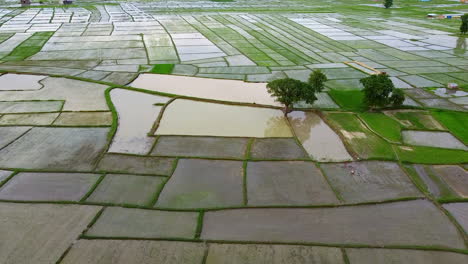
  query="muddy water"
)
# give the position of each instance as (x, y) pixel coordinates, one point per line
(318, 139)
(186, 117)
(216, 89)
(137, 114)
(15, 82)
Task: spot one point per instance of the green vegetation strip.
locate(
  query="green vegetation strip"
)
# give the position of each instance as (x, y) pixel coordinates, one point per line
(29, 47)
(429, 155)
(456, 122)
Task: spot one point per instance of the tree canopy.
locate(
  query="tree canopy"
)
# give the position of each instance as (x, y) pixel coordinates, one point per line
(289, 91)
(388, 3)
(317, 80)
(464, 24)
(379, 91)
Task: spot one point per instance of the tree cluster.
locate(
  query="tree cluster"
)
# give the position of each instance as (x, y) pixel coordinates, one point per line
(289, 91)
(464, 24)
(379, 91)
(388, 3)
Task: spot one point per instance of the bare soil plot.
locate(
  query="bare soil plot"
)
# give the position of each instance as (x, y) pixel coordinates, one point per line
(132, 251)
(40, 233)
(369, 181)
(129, 222)
(287, 183)
(29, 186)
(72, 149)
(401, 223)
(203, 183)
(186, 146)
(387, 256)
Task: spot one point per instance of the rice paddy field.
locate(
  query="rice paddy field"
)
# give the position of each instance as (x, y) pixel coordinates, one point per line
(143, 132)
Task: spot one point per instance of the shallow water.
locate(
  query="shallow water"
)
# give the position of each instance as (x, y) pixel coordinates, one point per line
(444, 92)
(216, 89)
(78, 95)
(432, 139)
(186, 117)
(137, 114)
(318, 139)
(15, 82)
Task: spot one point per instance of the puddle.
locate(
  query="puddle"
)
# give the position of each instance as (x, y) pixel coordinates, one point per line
(186, 117)
(318, 139)
(216, 89)
(137, 114)
(15, 82)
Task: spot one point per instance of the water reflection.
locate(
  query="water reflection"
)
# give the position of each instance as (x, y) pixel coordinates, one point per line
(186, 117)
(303, 123)
(216, 89)
(137, 114)
(318, 139)
(274, 125)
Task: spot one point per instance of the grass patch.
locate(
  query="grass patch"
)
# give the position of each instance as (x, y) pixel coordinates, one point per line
(456, 122)
(29, 47)
(352, 100)
(383, 125)
(429, 155)
(162, 68)
(464, 87)
(365, 143)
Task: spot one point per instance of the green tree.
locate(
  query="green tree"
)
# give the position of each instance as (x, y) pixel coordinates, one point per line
(397, 98)
(388, 3)
(289, 91)
(464, 24)
(317, 80)
(377, 89)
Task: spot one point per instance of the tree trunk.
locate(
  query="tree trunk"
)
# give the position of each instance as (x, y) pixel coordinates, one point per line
(286, 110)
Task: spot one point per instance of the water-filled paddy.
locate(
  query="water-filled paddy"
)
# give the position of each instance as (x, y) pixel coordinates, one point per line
(223, 90)
(15, 82)
(318, 139)
(186, 117)
(203, 166)
(137, 113)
